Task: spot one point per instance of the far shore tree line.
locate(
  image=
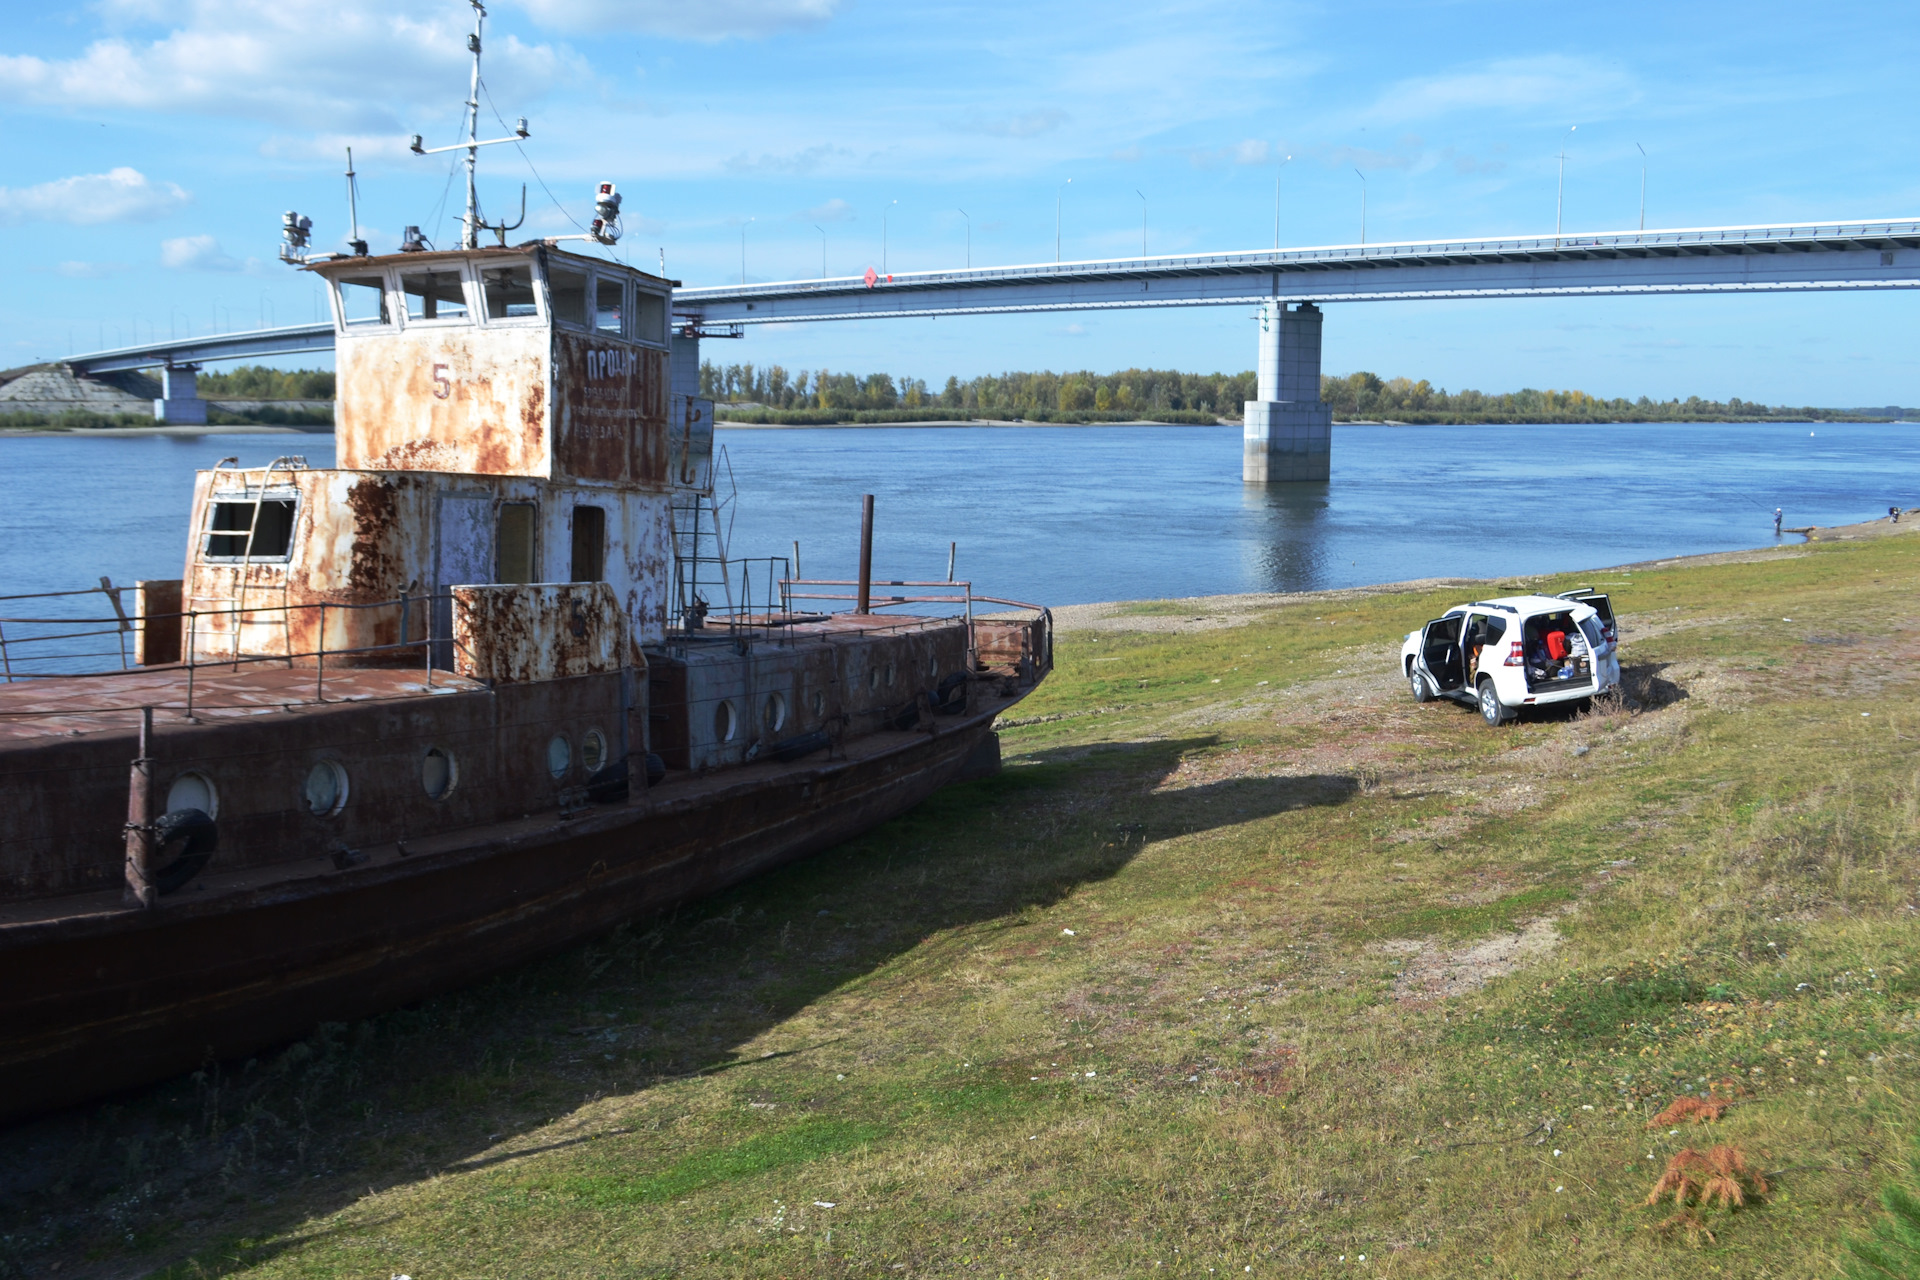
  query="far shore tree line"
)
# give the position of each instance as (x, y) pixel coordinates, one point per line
(772, 394)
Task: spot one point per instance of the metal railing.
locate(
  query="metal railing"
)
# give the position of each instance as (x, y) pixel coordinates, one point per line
(19, 650)
(68, 664)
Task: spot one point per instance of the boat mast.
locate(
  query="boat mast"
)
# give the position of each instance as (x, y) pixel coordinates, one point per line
(470, 225)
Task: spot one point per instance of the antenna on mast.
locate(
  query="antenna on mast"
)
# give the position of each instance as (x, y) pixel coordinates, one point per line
(354, 241)
(470, 225)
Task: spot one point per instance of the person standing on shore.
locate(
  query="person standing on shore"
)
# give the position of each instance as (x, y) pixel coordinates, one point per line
(1777, 513)
(1893, 513)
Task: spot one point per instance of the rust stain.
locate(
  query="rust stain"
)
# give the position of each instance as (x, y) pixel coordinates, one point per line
(375, 566)
(516, 634)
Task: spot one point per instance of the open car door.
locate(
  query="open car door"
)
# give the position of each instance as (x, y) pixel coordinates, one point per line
(1598, 602)
(1440, 654)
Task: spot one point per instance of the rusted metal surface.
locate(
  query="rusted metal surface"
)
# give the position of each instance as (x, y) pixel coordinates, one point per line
(720, 701)
(463, 399)
(157, 631)
(690, 444)
(1019, 647)
(610, 410)
(255, 736)
(363, 538)
(539, 631)
(104, 998)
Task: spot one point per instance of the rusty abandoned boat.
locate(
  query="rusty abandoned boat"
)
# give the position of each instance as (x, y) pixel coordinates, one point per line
(481, 690)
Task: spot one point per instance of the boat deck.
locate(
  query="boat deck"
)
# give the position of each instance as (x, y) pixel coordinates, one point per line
(32, 711)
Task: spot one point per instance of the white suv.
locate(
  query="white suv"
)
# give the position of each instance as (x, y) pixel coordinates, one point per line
(1514, 652)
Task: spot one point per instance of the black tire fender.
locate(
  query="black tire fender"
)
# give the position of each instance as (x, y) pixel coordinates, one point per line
(184, 840)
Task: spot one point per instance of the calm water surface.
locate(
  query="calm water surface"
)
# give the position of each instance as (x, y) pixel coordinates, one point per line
(1064, 515)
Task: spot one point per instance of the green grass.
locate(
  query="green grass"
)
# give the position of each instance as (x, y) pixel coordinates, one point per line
(1135, 1004)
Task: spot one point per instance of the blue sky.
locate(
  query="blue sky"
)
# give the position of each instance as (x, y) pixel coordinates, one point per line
(151, 146)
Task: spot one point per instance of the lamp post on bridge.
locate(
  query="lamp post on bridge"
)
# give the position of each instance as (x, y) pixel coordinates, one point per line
(963, 213)
(1560, 193)
(1643, 185)
(823, 250)
(1143, 221)
(1363, 207)
(1056, 217)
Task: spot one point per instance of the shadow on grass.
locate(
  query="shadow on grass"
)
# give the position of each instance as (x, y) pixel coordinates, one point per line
(219, 1171)
(1642, 688)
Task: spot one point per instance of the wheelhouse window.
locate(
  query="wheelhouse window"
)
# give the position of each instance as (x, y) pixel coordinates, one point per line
(434, 295)
(509, 292)
(649, 317)
(609, 310)
(513, 543)
(236, 532)
(589, 544)
(567, 289)
(363, 300)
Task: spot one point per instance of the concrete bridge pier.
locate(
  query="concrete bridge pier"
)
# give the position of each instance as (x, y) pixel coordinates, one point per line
(180, 400)
(1289, 429)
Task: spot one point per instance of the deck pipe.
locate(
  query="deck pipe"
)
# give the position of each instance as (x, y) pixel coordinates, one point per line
(140, 887)
(866, 553)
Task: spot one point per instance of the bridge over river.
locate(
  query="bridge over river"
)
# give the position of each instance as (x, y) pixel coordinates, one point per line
(1288, 426)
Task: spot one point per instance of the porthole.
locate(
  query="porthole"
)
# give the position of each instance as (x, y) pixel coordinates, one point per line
(773, 712)
(889, 675)
(933, 667)
(559, 755)
(326, 789)
(593, 751)
(723, 722)
(194, 791)
(873, 678)
(438, 773)
(819, 703)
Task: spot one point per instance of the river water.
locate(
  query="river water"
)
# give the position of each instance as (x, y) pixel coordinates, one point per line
(1064, 515)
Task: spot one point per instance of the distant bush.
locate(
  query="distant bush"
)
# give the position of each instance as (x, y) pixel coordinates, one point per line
(270, 416)
(1169, 395)
(257, 382)
(73, 420)
(760, 416)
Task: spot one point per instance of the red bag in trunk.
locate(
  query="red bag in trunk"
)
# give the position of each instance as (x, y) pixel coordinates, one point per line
(1557, 647)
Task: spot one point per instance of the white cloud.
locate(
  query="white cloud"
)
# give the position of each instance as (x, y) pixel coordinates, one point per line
(1026, 124)
(198, 253)
(351, 65)
(805, 160)
(1248, 152)
(88, 199)
(1567, 85)
(710, 21)
(91, 270)
(834, 210)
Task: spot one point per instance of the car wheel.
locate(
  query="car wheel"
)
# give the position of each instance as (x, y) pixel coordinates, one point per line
(1492, 710)
(1422, 691)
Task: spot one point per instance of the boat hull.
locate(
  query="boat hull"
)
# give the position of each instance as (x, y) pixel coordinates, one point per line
(108, 999)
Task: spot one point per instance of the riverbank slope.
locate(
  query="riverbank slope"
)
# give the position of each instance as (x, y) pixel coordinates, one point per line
(1245, 964)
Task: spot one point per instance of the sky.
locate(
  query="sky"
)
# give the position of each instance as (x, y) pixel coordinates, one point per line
(150, 147)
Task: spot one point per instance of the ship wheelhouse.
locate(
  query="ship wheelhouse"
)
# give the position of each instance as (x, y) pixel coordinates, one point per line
(504, 418)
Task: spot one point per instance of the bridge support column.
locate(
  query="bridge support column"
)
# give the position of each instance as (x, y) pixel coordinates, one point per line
(1289, 429)
(180, 402)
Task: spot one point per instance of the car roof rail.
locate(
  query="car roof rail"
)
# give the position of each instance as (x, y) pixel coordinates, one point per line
(1491, 604)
